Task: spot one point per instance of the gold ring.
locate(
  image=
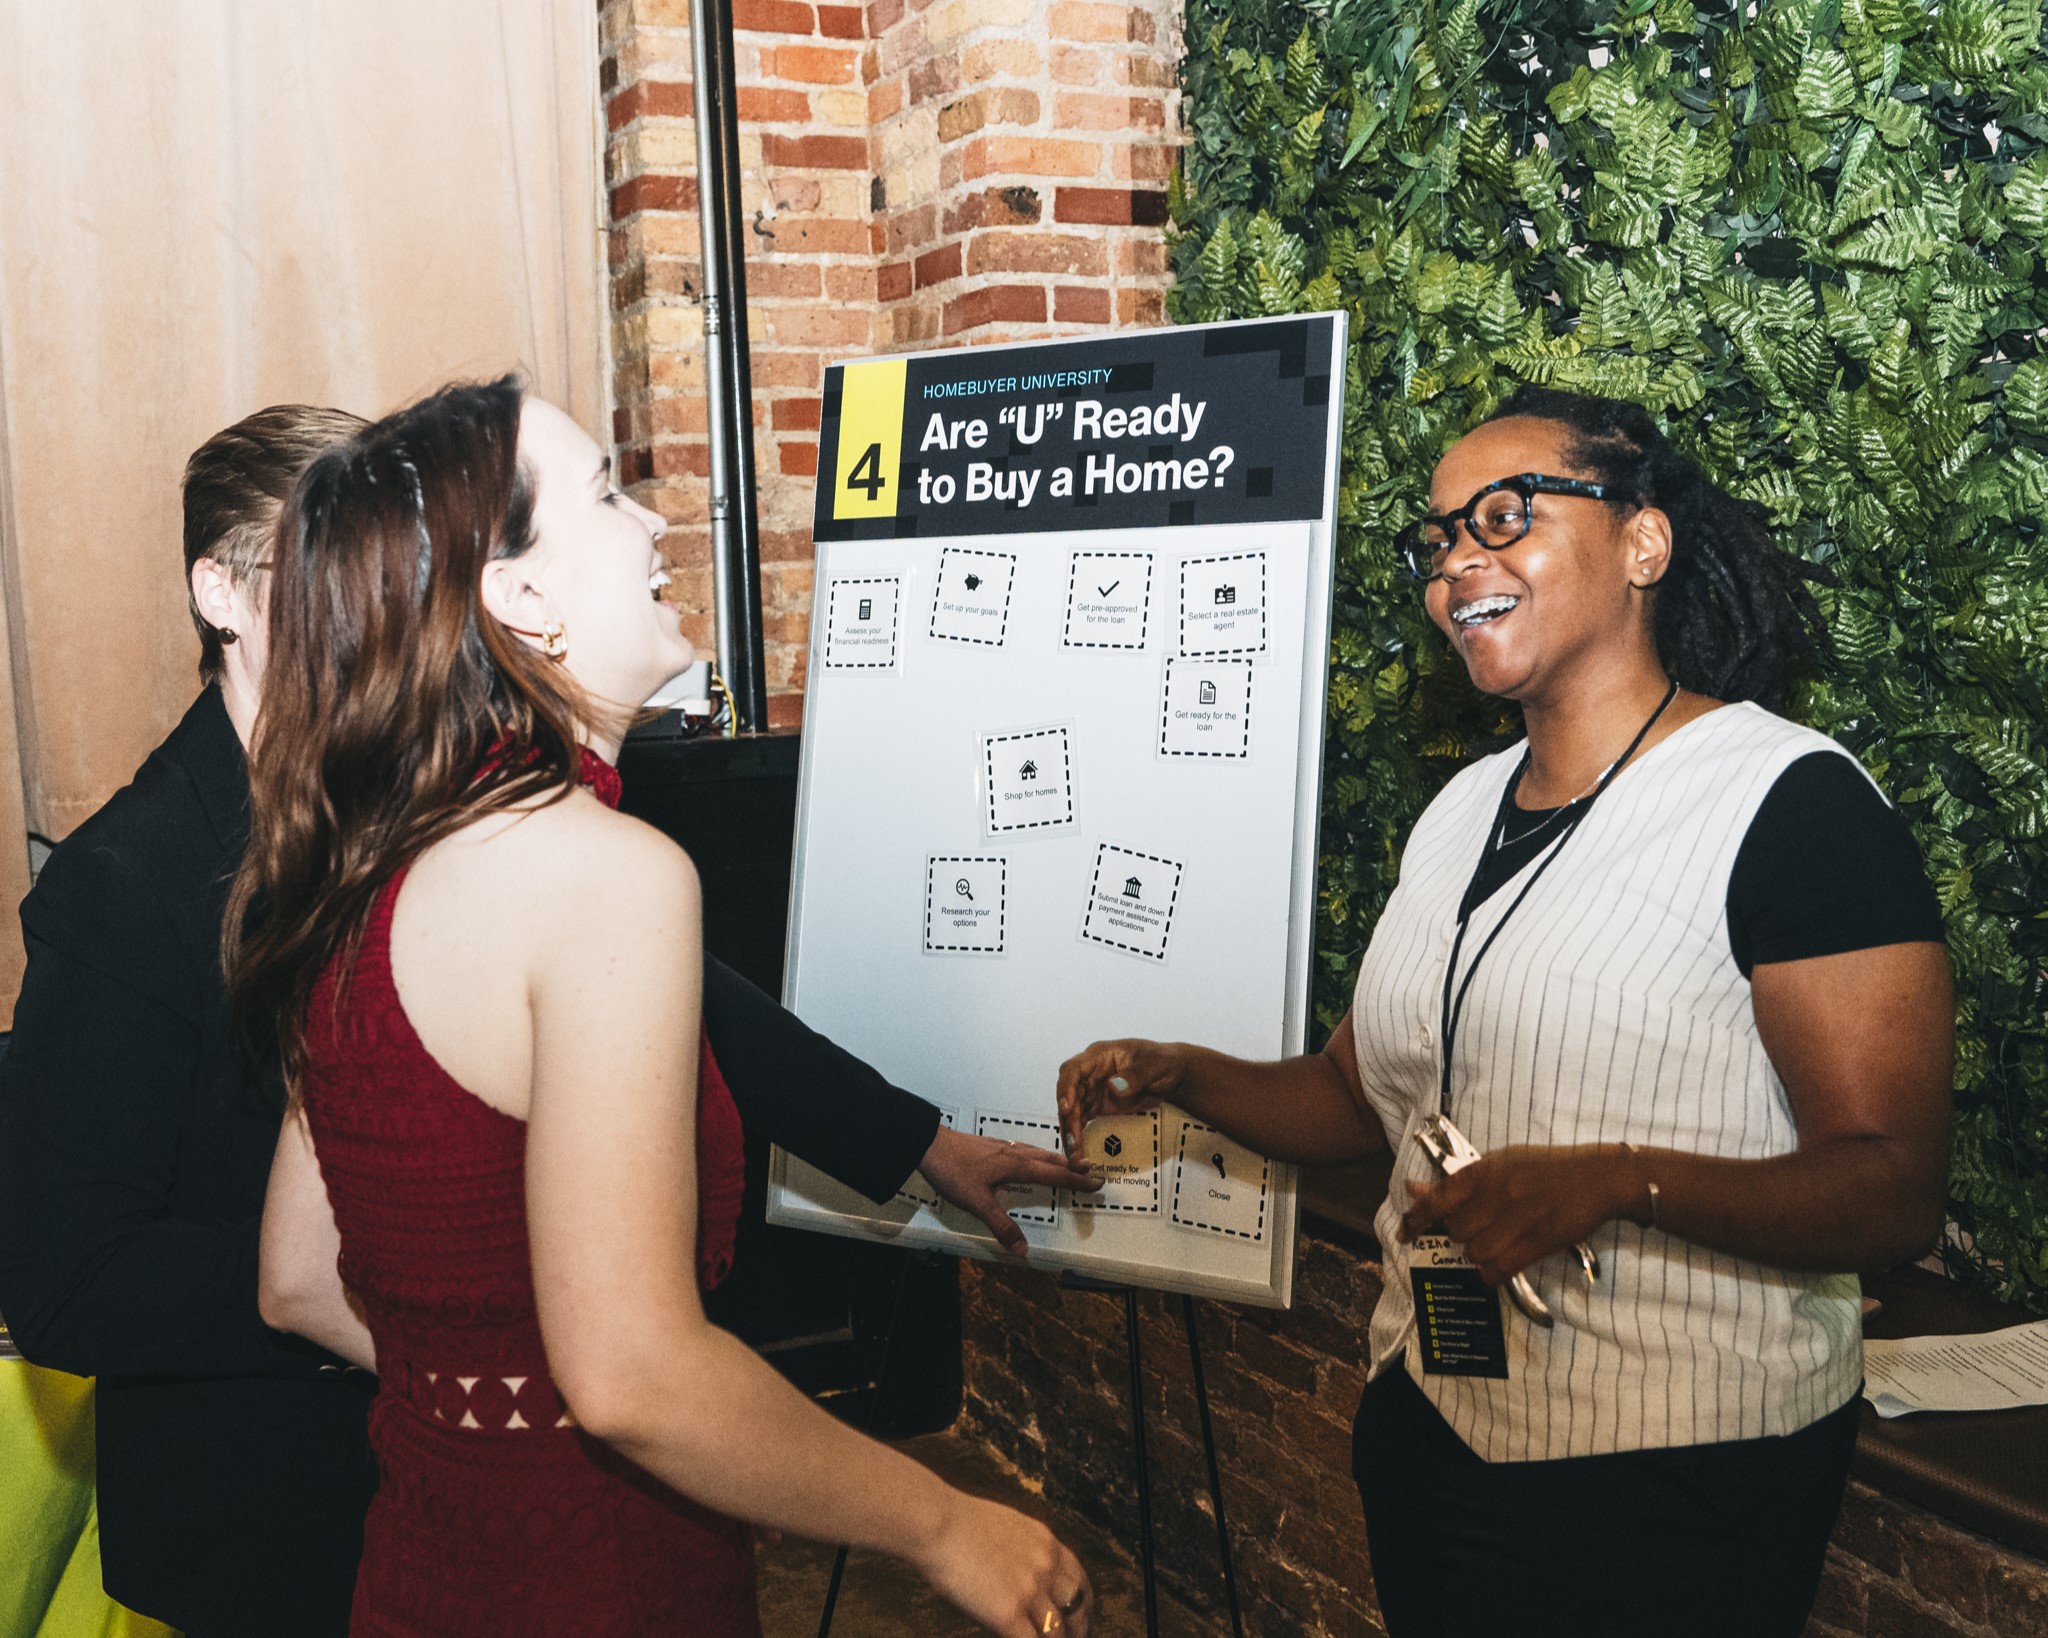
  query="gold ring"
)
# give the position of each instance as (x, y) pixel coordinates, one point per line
(1052, 1619)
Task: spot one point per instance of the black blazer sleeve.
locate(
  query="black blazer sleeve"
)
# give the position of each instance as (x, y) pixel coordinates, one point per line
(817, 1100)
(99, 1274)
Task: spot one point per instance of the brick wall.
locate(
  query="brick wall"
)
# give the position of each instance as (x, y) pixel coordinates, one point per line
(1048, 1386)
(1897, 1572)
(914, 174)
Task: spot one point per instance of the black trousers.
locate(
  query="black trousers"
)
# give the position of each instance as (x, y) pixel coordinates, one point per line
(1700, 1541)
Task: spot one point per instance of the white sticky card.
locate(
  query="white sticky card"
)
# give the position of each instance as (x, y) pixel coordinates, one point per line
(1205, 708)
(1109, 599)
(1223, 605)
(965, 903)
(1028, 1205)
(1123, 1150)
(860, 624)
(971, 603)
(1220, 1186)
(1029, 776)
(1131, 900)
(915, 1189)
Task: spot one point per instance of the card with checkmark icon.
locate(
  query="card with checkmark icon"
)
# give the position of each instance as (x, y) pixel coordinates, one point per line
(1109, 600)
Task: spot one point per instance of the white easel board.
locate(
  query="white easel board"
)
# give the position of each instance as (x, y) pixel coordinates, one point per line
(1061, 760)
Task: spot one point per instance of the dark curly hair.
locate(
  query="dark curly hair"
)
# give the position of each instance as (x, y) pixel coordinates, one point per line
(1735, 614)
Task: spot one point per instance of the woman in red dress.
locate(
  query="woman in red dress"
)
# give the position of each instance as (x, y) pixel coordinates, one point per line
(508, 1176)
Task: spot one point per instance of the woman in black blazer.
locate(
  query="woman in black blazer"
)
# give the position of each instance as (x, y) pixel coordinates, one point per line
(135, 1141)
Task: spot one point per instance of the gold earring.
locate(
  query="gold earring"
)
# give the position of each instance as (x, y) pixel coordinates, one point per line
(554, 640)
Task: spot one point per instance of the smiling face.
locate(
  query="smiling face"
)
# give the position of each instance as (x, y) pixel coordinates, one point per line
(595, 568)
(1571, 598)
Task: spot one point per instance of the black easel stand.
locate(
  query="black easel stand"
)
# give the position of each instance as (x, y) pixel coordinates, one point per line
(868, 1426)
(1147, 1558)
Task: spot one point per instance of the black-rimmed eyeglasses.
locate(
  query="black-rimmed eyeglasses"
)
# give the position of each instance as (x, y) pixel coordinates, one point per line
(1496, 517)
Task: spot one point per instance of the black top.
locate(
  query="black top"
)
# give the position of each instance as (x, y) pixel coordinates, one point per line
(135, 1145)
(1827, 866)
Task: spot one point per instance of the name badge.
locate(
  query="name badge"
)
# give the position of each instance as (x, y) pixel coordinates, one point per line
(1457, 1315)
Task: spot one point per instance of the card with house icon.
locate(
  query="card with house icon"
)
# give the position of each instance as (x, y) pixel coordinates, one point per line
(1028, 779)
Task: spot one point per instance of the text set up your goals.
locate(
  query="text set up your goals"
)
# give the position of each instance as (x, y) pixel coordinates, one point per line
(1062, 747)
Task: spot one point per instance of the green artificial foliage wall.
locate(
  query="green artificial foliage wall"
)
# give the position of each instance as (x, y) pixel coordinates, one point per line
(1807, 233)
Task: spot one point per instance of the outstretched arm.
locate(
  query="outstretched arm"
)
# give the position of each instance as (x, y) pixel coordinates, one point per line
(612, 1212)
(824, 1105)
(1865, 1044)
(1310, 1109)
(298, 1286)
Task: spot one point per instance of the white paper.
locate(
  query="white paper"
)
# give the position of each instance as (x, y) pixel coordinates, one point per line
(1205, 708)
(971, 603)
(860, 624)
(1996, 1370)
(1022, 1201)
(1029, 779)
(1123, 1150)
(1219, 1185)
(965, 903)
(1131, 900)
(1223, 605)
(1109, 599)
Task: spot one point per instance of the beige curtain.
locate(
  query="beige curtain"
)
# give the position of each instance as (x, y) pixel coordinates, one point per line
(207, 206)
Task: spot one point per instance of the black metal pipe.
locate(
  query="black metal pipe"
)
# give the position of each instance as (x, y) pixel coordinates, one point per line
(1146, 1560)
(740, 576)
(1187, 1309)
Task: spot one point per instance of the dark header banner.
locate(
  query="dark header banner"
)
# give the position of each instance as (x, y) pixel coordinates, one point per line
(1142, 430)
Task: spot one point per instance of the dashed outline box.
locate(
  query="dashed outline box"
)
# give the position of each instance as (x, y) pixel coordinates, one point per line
(1172, 903)
(1180, 1171)
(1048, 1214)
(989, 742)
(1166, 706)
(939, 591)
(1091, 1202)
(1181, 612)
(1067, 639)
(931, 863)
(895, 623)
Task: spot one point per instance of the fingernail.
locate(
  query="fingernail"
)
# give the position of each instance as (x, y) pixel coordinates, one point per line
(1119, 1084)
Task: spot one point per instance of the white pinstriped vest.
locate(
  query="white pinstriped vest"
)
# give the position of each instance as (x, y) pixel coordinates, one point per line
(1609, 1010)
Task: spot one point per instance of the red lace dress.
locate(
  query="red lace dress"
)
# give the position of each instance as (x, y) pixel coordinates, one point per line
(494, 1517)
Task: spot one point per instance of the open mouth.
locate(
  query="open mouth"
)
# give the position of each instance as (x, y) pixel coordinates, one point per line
(1483, 611)
(657, 583)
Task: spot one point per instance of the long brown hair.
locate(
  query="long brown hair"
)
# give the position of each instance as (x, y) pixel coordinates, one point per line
(395, 708)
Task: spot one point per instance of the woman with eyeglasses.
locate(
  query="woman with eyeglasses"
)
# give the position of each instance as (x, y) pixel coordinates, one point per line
(1658, 1027)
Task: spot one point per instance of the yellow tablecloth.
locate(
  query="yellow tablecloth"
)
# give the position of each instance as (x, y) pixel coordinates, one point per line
(49, 1525)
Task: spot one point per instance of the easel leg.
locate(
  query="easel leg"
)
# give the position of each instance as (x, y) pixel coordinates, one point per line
(868, 1424)
(1215, 1473)
(1145, 1555)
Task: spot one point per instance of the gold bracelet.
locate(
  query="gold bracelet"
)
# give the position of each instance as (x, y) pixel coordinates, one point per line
(1656, 1194)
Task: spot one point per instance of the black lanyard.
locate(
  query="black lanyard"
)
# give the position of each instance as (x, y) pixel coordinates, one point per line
(1453, 1010)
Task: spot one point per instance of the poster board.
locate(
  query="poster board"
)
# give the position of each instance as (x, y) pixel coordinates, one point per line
(1061, 763)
